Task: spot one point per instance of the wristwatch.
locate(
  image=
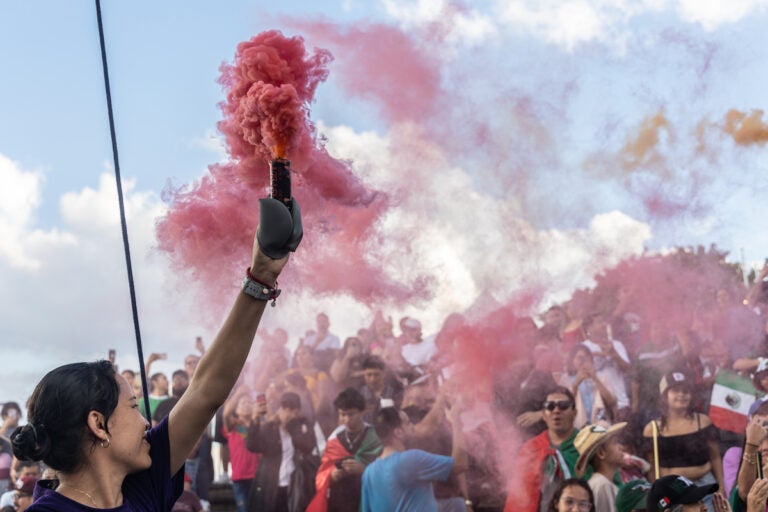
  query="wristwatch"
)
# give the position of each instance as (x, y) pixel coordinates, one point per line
(259, 291)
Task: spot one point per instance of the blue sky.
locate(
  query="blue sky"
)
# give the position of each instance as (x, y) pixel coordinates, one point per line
(557, 84)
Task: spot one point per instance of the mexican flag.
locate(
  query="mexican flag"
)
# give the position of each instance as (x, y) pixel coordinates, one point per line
(731, 397)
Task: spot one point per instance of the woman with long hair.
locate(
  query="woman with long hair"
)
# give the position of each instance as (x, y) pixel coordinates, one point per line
(84, 420)
(595, 403)
(572, 495)
(686, 440)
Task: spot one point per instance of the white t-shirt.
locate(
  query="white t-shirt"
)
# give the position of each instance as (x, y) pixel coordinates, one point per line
(286, 463)
(417, 354)
(605, 493)
(330, 341)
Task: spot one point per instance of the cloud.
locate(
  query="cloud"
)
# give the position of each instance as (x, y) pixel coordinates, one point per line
(20, 242)
(711, 14)
(565, 23)
(65, 289)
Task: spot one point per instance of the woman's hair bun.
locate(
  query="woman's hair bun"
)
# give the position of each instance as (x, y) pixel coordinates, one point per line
(30, 442)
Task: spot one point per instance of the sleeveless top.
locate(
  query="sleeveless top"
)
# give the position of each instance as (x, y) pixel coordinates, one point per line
(686, 450)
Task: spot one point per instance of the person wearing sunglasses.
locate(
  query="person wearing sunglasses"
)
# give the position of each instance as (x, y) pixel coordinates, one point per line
(547, 459)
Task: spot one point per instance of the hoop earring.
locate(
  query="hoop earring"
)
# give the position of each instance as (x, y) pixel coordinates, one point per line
(102, 443)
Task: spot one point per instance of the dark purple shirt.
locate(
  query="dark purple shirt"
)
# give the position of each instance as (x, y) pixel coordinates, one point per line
(151, 490)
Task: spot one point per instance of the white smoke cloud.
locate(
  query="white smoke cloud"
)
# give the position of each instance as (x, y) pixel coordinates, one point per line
(474, 244)
(566, 23)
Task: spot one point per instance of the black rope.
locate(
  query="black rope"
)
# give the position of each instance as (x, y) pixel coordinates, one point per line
(123, 223)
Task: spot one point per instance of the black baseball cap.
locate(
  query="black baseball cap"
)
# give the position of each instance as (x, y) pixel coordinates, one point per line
(668, 491)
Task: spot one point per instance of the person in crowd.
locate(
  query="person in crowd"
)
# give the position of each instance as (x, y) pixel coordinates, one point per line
(190, 364)
(322, 338)
(754, 435)
(687, 440)
(611, 360)
(6, 462)
(401, 480)
(538, 381)
(24, 469)
(179, 384)
(702, 373)
(573, 332)
(23, 493)
(750, 455)
(84, 422)
(350, 448)
(378, 384)
(323, 342)
(572, 495)
(595, 403)
(633, 496)
(282, 441)
(238, 414)
(601, 449)
(676, 493)
(275, 343)
(317, 381)
(383, 337)
(158, 385)
(129, 376)
(654, 356)
(347, 369)
(415, 349)
(10, 414)
(556, 319)
(545, 460)
(188, 501)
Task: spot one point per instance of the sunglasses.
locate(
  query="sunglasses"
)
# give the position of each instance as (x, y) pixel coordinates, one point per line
(563, 405)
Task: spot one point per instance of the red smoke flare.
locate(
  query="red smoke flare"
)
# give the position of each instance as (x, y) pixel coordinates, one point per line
(209, 227)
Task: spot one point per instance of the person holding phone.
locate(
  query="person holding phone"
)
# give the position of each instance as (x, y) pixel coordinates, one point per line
(10, 415)
(84, 420)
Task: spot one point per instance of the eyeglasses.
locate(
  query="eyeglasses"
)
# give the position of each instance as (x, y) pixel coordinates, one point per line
(569, 502)
(563, 405)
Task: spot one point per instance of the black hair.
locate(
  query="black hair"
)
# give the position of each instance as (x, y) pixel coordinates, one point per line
(180, 373)
(561, 390)
(7, 406)
(352, 340)
(350, 398)
(290, 400)
(296, 380)
(571, 482)
(385, 423)
(156, 376)
(569, 367)
(58, 413)
(664, 399)
(374, 363)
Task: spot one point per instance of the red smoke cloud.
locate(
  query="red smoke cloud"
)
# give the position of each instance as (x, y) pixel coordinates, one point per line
(209, 227)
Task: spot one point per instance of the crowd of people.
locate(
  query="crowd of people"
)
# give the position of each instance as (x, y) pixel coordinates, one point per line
(601, 410)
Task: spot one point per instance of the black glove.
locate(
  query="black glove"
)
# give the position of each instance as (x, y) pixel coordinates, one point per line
(280, 229)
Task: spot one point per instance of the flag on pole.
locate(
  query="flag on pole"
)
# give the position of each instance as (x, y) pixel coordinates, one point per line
(731, 397)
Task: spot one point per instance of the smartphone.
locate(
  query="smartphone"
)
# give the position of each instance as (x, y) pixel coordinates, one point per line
(111, 355)
(261, 399)
(280, 181)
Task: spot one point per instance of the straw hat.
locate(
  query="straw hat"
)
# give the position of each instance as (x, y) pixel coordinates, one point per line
(588, 440)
